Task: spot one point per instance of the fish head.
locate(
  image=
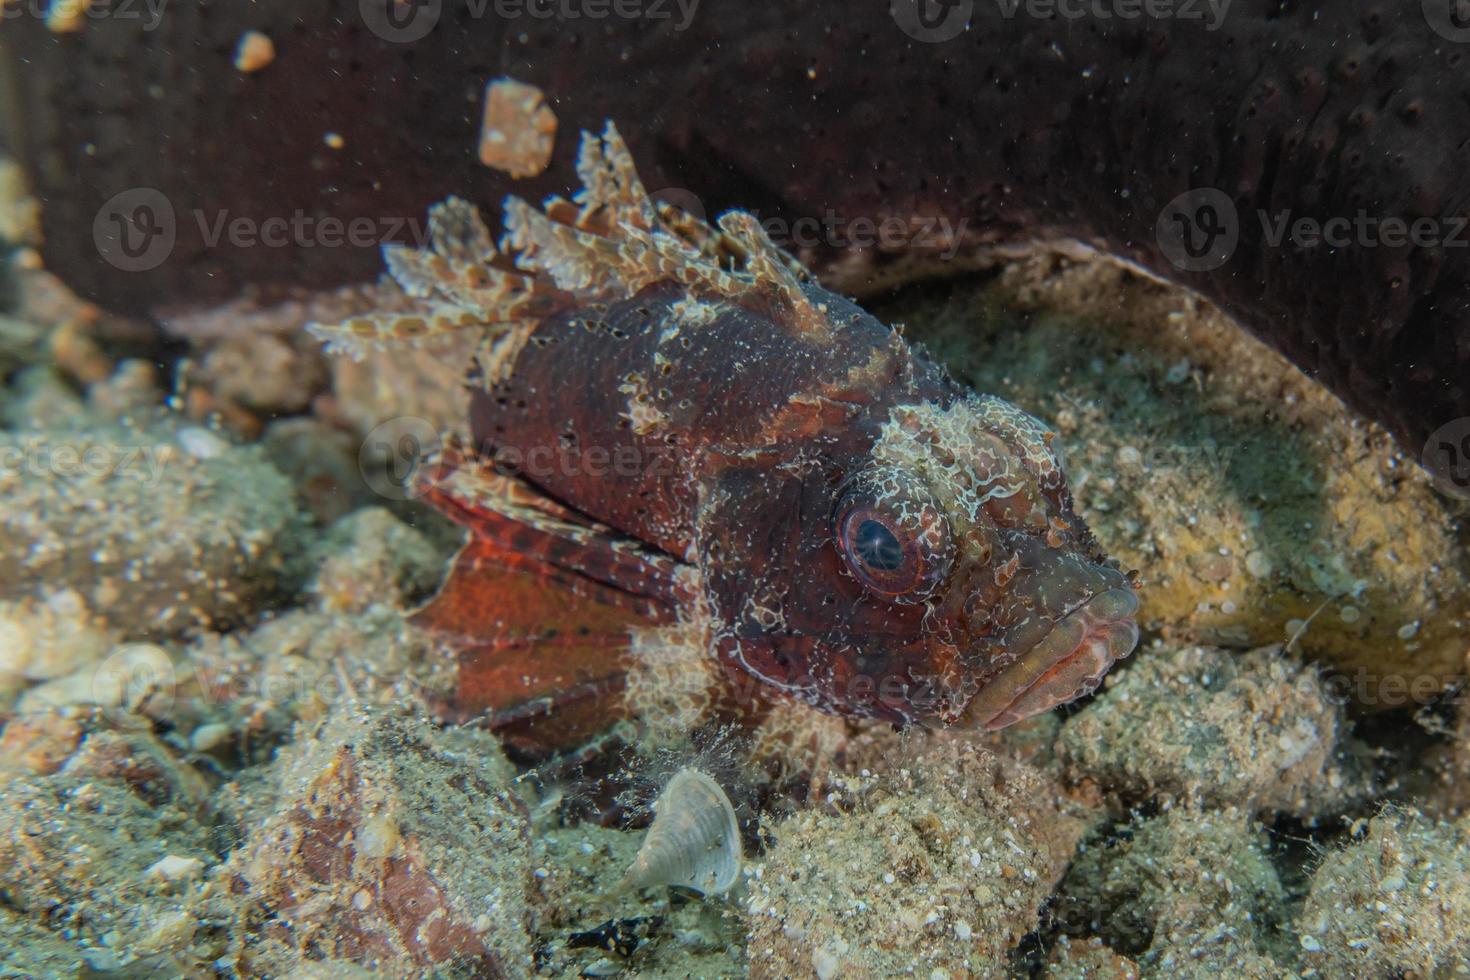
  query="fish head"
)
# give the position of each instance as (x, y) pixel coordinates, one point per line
(941, 577)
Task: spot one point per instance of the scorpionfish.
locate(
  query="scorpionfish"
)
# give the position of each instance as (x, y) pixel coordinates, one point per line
(671, 422)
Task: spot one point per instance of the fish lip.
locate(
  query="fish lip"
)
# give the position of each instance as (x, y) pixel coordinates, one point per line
(1065, 664)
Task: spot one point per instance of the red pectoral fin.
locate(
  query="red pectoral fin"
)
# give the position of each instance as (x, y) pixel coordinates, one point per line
(531, 644)
(539, 609)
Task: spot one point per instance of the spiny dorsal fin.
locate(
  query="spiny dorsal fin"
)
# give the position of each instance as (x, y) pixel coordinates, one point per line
(607, 244)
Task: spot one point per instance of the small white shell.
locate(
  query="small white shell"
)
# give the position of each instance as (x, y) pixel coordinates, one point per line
(694, 841)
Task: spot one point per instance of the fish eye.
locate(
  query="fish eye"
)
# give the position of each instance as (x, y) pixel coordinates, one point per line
(897, 546)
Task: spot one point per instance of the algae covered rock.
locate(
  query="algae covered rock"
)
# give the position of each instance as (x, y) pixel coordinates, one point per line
(1185, 893)
(1089, 959)
(87, 825)
(1395, 903)
(393, 846)
(939, 864)
(42, 639)
(1259, 731)
(370, 557)
(159, 531)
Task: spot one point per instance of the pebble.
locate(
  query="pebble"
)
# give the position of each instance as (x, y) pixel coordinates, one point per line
(201, 443)
(174, 869)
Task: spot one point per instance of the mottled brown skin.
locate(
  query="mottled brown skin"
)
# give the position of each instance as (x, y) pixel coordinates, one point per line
(741, 478)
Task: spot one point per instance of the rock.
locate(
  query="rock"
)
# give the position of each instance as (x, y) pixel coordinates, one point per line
(20, 211)
(1259, 731)
(40, 398)
(390, 848)
(22, 344)
(231, 342)
(264, 372)
(173, 869)
(247, 689)
(940, 862)
(155, 539)
(132, 388)
(321, 462)
(1186, 893)
(1394, 903)
(144, 764)
(1088, 960)
(76, 847)
(45, 638)
(370, 557)
(40, 743)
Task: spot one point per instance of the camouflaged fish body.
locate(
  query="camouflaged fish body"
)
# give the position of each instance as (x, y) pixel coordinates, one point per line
(668, 416)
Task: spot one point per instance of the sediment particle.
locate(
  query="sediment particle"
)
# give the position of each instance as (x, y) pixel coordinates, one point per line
(254, 52)
(518, 131)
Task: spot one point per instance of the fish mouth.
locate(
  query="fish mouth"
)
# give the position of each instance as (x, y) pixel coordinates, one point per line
(1069, 661)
